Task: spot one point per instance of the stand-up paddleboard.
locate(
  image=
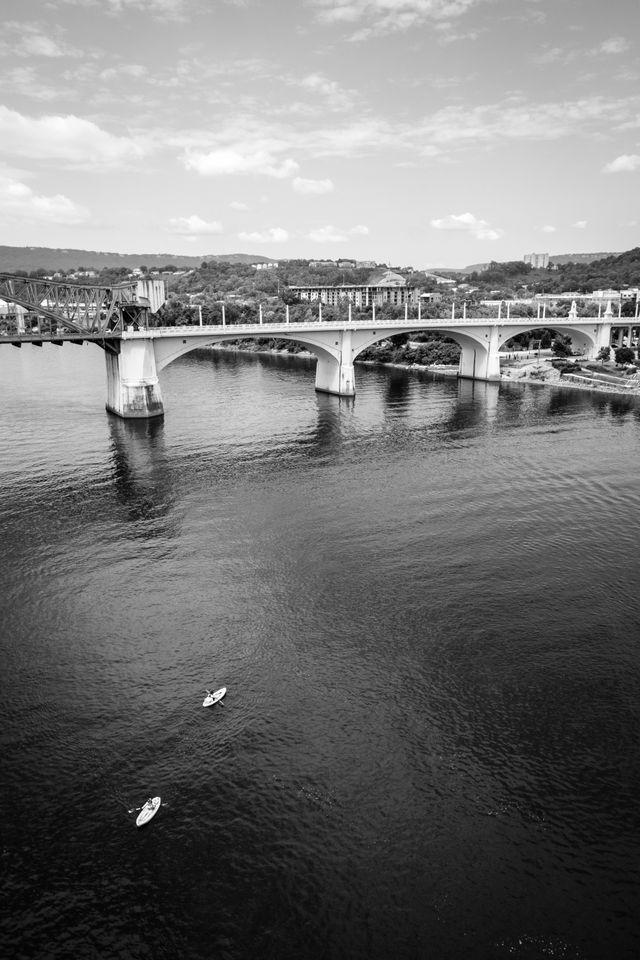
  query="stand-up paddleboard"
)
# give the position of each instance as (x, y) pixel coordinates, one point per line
(212, 698)
(149, 810)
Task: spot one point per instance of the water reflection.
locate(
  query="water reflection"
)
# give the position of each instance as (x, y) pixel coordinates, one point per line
(328, 434)
(621, 406)
(398, 387)
(141, 474)
(476, 405)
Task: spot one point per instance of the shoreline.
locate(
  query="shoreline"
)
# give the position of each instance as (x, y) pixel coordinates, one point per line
(549, 377)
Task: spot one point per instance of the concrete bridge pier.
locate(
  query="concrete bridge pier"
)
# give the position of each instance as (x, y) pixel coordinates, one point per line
(334, 371)
(133, 390)
(480, 359)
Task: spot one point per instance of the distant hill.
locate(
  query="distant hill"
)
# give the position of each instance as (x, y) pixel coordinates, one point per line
(475, 268)
(580, 257)
(50, 258)
(557, 258)
(448, 271)
(237, 258)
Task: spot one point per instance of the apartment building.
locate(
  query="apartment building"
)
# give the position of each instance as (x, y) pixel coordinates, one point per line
(539, 261)
(389, 288)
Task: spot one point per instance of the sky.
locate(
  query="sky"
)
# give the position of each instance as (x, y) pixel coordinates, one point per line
(413, 132)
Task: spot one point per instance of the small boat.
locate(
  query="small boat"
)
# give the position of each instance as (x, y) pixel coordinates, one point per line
(149, 810)
(212, 698)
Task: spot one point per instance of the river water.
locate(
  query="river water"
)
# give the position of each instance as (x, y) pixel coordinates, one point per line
(424, 604)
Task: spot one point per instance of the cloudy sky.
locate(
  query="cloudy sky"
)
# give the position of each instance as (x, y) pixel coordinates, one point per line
(416, 132)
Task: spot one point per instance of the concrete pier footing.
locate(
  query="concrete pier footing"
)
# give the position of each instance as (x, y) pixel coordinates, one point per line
(334, 370)
(480, 358)
(334, 376)
(133, 390)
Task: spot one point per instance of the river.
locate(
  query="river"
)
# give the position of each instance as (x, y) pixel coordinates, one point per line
(424, 604)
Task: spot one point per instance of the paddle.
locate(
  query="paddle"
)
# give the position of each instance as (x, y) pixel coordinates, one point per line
(135, 809)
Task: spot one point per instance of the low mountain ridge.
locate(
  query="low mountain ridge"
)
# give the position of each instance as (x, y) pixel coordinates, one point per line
(557, 258)
(53, 258)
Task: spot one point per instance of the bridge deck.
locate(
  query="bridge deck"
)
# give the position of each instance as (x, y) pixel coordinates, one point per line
(266, 330)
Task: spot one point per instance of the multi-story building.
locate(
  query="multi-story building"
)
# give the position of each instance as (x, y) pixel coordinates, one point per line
(343, 264)
(539, 261)
(12, 315)
(389, 288)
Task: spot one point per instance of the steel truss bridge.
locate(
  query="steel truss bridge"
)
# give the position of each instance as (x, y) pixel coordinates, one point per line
(90, 311)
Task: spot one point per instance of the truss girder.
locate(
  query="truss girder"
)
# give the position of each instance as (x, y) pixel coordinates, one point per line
(81, 308)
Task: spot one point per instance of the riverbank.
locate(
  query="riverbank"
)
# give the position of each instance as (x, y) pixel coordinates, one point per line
(602, 380)
(447, 370)
(539, 371)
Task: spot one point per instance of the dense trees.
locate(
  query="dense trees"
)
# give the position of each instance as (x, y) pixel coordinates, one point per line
(624, 355)
(617, 272)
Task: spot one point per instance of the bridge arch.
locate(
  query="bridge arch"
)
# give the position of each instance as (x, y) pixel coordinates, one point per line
(336, 349)
(585, 338)
(334, 371)
(170, 349)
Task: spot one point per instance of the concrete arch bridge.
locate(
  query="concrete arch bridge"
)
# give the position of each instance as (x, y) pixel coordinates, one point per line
(117, 319)
(132, 372)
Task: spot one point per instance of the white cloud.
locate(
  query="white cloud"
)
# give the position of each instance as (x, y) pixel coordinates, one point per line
(33, 40)
(272, 235)
(37, 45)
(386, 16)
(18, 201)
(159, 9)
(238, 205)
(335, 96)
(359, 231)
(548, 229)
(239, 160)
(358, 137)
(300, 185)
(194, 226)
(326, 234)
(550, 55)
(72, 141)
(135, 70)
(614, 45)
(479, 229)
(626, 163)
(27, 81)
(319, 84)
(517, 119)
(611, 47)
(273, 146)
(580, 224)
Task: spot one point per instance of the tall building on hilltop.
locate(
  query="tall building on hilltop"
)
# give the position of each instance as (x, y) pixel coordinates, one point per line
(539, 261)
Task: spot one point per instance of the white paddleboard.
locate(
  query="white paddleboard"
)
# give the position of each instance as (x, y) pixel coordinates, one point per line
(214, 697)
(149, 810)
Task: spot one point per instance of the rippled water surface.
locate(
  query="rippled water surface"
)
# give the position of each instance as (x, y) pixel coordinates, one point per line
(424, 605)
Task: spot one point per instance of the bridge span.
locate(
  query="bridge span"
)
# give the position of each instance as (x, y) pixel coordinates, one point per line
(118, 320)
(133, 387)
